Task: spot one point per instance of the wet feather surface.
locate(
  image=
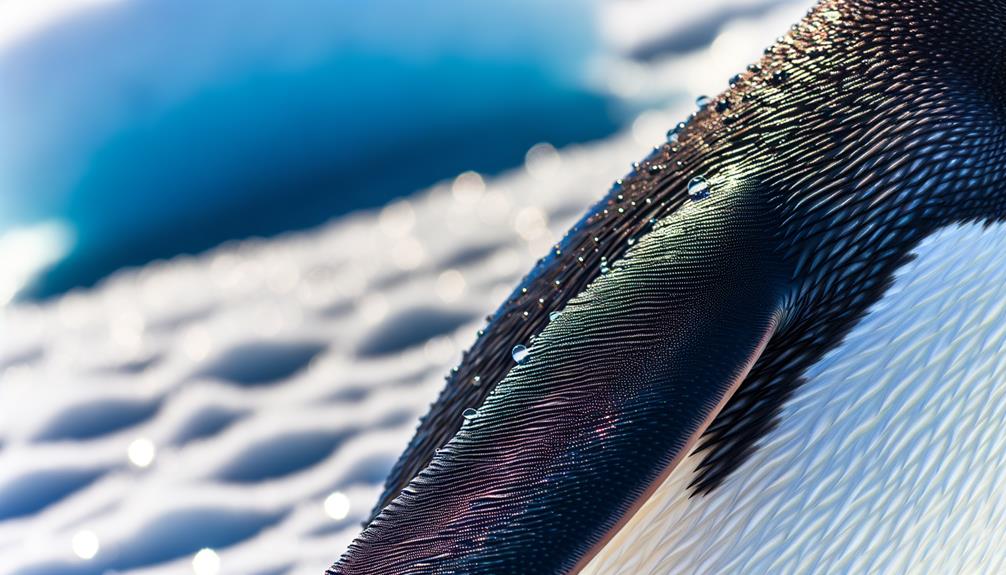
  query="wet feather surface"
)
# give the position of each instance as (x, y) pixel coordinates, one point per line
(854, 146)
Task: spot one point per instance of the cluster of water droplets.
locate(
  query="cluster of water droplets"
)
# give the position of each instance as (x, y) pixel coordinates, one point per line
(698, 188)
(674, 134)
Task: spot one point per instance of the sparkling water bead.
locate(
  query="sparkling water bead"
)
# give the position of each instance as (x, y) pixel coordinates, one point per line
(698, 188)
(674, 134)
(519, 353)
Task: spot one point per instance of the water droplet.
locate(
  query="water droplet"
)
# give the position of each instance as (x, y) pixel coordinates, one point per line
(698, 188)
(736, 79)
(674, 134)
(754, 68)
(477, 380)
(722, 105)
(703, 101)
(519, 353)
(554, 315)
(469, 414)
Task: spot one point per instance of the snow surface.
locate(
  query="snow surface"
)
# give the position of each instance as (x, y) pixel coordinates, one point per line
(219, 401)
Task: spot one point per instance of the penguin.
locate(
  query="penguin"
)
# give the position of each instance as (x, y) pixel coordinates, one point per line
(776, 346)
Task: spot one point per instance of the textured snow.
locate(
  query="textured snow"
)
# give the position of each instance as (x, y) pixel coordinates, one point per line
(219, 401)
(266, 375)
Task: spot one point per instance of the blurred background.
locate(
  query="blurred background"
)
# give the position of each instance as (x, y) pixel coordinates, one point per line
(241, 242)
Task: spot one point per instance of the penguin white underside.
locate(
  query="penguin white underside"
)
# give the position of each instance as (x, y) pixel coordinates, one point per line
(890, 458)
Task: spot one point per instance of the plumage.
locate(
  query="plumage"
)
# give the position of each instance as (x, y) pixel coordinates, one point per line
(871, 128)
(890, 458)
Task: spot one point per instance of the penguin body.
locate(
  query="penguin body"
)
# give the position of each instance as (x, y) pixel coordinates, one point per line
(773, 347)
(890, 458)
